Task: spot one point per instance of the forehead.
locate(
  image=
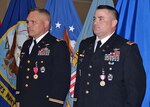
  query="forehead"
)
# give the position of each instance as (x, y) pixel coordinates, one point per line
(102, 12)
(33, 15)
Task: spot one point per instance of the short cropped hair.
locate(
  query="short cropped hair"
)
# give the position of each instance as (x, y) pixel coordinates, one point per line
(112, 9)
(40, 10)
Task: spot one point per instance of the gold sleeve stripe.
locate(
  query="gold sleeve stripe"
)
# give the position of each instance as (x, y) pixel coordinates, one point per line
(56, 101)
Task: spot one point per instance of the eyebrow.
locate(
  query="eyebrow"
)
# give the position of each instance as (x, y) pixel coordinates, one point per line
(98, 17)
(101, 17)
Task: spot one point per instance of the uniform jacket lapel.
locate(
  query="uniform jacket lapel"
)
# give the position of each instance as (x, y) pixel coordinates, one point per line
(46, 41)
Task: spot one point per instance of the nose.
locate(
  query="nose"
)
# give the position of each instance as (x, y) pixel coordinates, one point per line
(95, 22)
(29, 24)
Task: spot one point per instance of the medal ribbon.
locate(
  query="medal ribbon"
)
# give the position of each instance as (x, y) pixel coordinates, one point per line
(35, 69)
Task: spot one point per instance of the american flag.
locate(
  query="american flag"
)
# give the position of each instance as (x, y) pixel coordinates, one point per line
(72, 84)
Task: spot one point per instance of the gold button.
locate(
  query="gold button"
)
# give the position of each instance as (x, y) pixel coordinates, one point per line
(89, 74)
(27, 77)
(26, 85)
(47, 96)
(28, 69)
(88, 83)
(86, 92)
(28, 61)
(110, 68)
(90, 66)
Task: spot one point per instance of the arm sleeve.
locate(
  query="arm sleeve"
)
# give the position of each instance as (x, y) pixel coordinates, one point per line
(134, 76)
(61, 73)
(19, 75)
(78, 72)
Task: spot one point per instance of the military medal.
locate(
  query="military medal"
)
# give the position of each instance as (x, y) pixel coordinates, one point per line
(35, 69)
(102, 77)
(35, 76)
(110, 77)
(102, 83)
(42, 69)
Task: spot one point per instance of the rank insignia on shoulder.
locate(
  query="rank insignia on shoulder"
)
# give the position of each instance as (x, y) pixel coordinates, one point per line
(58, 40)
(130, 43)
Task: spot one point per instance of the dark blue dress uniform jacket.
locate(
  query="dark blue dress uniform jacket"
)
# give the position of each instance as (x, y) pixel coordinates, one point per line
(123, 83)
(52, 59)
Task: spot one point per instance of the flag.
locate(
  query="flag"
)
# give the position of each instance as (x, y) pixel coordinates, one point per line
(134, 25)
(87, 31)
(0, 23)
(13, 33)
(65, 23)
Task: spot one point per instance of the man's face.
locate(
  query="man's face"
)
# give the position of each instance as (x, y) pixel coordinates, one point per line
(36, 26)
(103, 23)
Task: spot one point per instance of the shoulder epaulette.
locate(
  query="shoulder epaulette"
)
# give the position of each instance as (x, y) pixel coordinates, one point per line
(130, 43)
(58, 40)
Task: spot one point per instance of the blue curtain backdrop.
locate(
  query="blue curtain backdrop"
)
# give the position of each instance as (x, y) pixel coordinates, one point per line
(134, 25)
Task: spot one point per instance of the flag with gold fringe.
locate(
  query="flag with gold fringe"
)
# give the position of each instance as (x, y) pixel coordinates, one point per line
(13, 33)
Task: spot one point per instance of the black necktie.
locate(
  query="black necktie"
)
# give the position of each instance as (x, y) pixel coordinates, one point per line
(34, 46)
(98, 45)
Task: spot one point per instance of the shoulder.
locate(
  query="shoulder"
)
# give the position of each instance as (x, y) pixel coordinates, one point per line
(60, 46)
(54, 40)
(130, 43)
(129, 46)
(59, 40)
(124, 42)
(58, 43)
(132, 46)
(28, 41)
(87, 41)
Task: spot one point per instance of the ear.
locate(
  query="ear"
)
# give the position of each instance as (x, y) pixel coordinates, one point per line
(114, 23)
(46, 22)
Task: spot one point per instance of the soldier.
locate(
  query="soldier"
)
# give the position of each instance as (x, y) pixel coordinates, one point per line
(44, 72)
(110, 71)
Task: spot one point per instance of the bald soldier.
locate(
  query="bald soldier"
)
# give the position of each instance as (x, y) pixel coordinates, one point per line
(44, 72)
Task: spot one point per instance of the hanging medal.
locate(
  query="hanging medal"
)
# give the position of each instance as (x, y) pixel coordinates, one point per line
(102, 77)
(35, 69)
